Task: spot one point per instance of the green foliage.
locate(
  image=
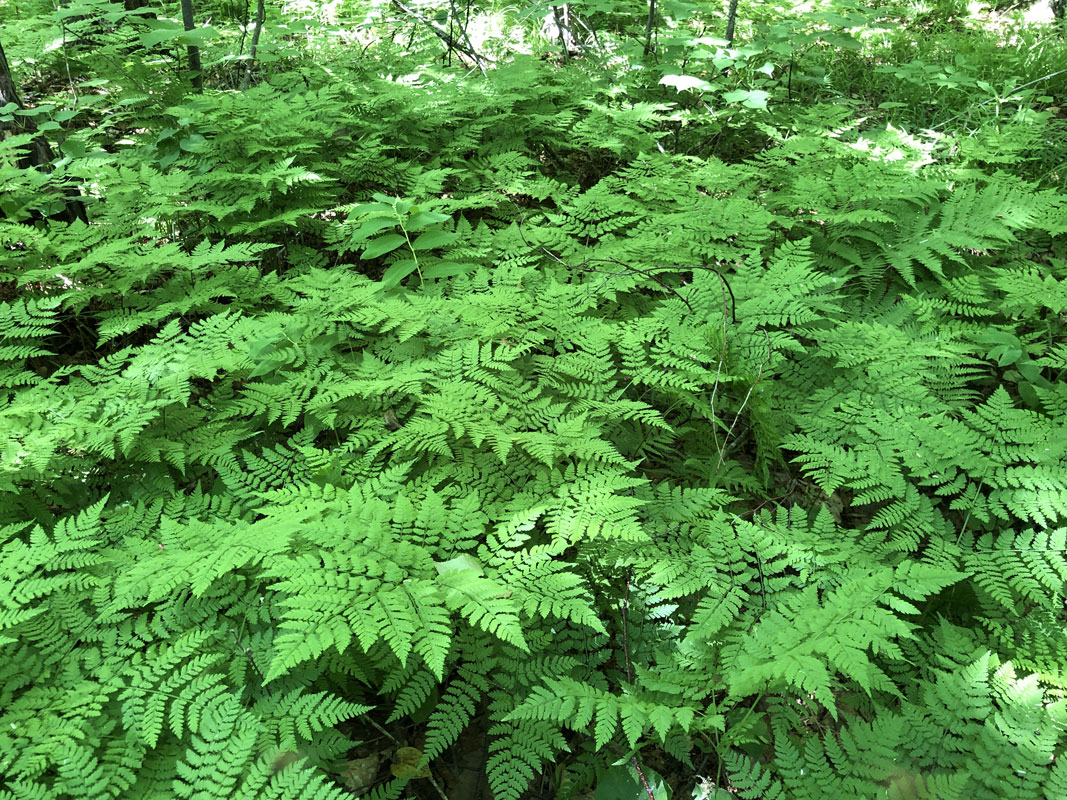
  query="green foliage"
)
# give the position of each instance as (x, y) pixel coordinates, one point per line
(649, 409)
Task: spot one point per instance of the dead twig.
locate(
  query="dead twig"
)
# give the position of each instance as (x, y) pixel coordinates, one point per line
(450, 41)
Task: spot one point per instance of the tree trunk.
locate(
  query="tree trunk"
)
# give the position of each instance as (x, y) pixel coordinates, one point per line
(649, 26)
(193, 50)
(39, 155)
(731, 22)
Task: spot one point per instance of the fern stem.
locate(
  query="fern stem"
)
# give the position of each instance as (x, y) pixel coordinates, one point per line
(625, 628)
(641, 776)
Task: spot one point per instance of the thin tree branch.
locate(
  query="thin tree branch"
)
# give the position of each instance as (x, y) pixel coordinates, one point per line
(442, 34)
(561, 27)
(649, 24)
(261, 13)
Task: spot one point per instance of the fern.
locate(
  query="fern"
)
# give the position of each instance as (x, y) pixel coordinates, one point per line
(497, 415)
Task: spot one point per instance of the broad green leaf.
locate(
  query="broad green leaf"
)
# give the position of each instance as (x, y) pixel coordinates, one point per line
(383, 245)
(194, 143)
(446, 269)
(371, 227)
(197, 37)
(370, 208)
(432, 239)
(685, 82)
(163, 32)
(845, 41)
(397, 271)
(420, 219)
(1032, 372)
(73, 148)
(749, 98)
(265, 367)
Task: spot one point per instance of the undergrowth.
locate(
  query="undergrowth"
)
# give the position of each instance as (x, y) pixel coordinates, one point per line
(633, 436)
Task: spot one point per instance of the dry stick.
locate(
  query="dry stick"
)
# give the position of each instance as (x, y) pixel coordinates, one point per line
(380, 729)
(466, 35)
(993, 99)
(562, 32)
(443, 35)
(627, 270)
(437, 786)
(261, 13)
(592, 32)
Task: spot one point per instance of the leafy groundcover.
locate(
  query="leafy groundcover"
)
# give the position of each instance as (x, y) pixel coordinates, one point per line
(428, 437)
